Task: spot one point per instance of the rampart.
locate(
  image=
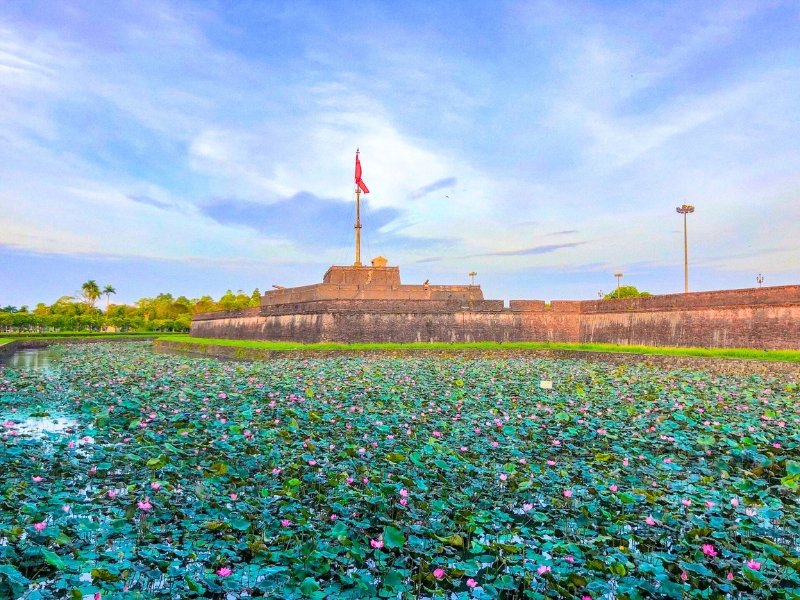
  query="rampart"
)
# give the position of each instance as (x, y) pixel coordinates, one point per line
(764, 318)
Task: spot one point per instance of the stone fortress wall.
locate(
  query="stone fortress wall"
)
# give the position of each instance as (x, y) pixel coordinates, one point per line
(763, 318)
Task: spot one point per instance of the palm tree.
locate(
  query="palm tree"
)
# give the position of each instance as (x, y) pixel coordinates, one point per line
(107, 291)
(90, 292)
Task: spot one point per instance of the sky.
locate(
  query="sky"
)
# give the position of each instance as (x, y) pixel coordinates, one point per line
(196, 147)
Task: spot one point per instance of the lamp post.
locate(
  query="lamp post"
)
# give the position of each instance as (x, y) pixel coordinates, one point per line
(618, 276)
(684, 210)
(472, 274)
(760, 279)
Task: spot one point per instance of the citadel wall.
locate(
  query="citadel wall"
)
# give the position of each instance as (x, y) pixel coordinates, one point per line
(750, 318)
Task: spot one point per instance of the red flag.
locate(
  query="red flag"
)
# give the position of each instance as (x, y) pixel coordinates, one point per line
(359, 182)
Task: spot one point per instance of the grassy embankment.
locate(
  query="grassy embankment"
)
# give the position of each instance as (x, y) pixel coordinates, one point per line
(8, 336)
(740, 353)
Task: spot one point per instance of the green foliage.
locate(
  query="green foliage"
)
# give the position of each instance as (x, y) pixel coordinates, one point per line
(162, 313)
(181, 478)
(626, 291)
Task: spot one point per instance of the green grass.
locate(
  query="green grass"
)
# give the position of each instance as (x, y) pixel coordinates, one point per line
(741, 353)
(84, 334)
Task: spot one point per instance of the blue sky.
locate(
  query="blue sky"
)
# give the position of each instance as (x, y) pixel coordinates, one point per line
(197, 147)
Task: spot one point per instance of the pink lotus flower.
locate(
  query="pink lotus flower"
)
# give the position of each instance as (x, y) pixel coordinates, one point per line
(334, 517)
(684, 576)
(224, 572)
(527, 507)
(39, 526)
(404, 501)
(567, 493)
(471, 583)
(551, 463)
(543, 569)
(650, 521)
(234, 496)
(625, 462)
(613, 488)
(438, 573)
(65, 508)
(155, 485)
(750, 512)
(686, 502)
(376, 543)
(111, 493)
(144, 505)
(710, 504)
(404, 493)
(729, 576)
(708, 550)
(437, 434)
(285, 523)
(36, 478)
(734, 502)
(753, 564)
(503, 476)
(98, 596)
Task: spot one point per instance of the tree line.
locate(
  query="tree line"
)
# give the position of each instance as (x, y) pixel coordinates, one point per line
(81, 313)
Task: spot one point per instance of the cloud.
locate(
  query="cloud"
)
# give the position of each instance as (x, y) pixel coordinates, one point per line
(565, 232)
(533, 251)
(447, 182)
(302, 218)
(150, 202)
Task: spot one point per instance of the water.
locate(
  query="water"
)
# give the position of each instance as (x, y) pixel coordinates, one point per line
(44, 359)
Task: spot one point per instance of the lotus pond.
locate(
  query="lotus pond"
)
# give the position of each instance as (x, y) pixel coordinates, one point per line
(173, 477)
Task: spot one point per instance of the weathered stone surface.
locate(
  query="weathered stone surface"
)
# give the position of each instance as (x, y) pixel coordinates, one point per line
(767, 318)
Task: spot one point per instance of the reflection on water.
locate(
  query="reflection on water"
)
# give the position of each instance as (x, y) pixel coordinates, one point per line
(28, 425)
(36, 358)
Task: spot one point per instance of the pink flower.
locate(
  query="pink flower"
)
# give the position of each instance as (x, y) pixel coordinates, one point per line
(463, 448)
(729, 576)
(710, 504)
(567, 493)
(65, 508)
(708, 550)
(285, 523)
(275, 471)
(543, 569)
(404, 493)
(223, 572)
(625, 462)
(234, 496)
(650, 521)
(36, 478)
(155, 485)
(734, 502)
(111, 493)
(403, 501)
(569, 559)
(686, 502)
(503, 476)
(586, 597)
(437, 434)
(144, 505)
(334, 517)
(98, 596)
(751, 512)
(753, 564)
(551, 463)
(613, 488)
(39, 526)
(376, 543)
(471, 583)
(438, 573)
(684, 576)
(312, 462)
(526, 507)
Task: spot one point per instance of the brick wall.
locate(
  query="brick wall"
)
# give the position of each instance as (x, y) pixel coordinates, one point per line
(754, 318)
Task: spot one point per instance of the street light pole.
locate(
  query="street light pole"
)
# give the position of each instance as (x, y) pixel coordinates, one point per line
(760, 279)
(618, 276)
(472, 274)
(685, 210)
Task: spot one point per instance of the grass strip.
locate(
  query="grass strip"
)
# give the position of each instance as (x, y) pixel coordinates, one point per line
(83, 334)
(738, 353)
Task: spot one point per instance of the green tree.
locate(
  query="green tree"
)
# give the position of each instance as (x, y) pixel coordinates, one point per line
(107, 291)
(255, 298)
(627, 291)
(90, 293)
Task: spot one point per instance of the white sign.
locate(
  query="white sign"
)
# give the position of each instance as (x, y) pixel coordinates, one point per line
(546, 385)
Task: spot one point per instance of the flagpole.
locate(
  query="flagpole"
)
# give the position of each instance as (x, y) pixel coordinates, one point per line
(358, 226)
